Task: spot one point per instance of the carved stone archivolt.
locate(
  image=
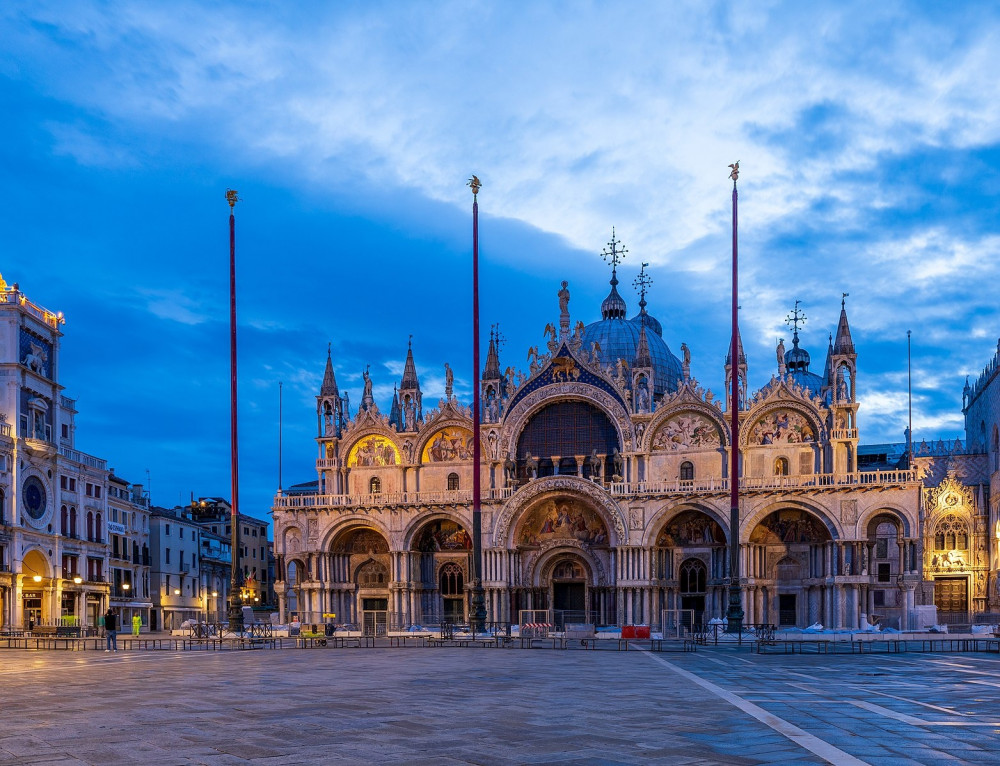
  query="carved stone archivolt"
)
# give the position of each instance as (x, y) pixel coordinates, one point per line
(538, 489)
(534, 564)
(529, 405)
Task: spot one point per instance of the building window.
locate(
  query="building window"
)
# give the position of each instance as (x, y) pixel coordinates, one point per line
(884, 574)
(166, 554)
(452, 580)
(166, 530)
(781, 467)
(452, 481)
(687, 471)
(375, 485)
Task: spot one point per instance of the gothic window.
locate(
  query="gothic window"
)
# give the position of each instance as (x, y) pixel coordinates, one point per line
(996, 449)
(64, 523)
(451, 579)
(781, 467)
(687, 471)
(694, 575)
(452, 481)
(90, 526)
(375, 485)
(72, 522)
(952, 533)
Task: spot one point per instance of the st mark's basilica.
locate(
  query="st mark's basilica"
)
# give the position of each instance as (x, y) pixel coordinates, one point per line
(606, 492)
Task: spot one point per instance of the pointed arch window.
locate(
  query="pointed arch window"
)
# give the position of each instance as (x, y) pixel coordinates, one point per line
(694, 576)
(452, 580)
(375, 485)
(452, 481)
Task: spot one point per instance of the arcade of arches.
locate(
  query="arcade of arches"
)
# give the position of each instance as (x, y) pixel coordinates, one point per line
(564, 557)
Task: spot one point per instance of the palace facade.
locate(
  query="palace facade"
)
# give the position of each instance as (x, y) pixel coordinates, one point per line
(605, 475)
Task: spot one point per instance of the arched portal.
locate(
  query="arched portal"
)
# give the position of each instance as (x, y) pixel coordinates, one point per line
(689, 558)
(358, 580)
(439, 555)
(789, 561)
(562, 548)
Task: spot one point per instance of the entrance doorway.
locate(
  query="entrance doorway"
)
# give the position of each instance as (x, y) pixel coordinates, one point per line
(951, 595)
(569, 596)
(374, 616)
(786, 609)
(32, 603)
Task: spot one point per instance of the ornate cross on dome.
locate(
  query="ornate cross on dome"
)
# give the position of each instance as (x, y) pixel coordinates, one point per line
(795, 318)
(642, 283)
(616, 254)
(497, 337)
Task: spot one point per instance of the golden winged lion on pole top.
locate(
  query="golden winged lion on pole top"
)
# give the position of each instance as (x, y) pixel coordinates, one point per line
(736, 170)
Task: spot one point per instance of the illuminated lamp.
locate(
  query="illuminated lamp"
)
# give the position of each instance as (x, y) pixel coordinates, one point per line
(37, 578)
(78, 579)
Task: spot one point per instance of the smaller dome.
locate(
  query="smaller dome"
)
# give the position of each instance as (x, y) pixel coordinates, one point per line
(810, 381)
(650, 322)
(614, 306)
(798, 358)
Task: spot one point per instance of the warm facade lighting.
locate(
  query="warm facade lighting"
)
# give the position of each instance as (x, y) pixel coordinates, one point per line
(78, 579)
(37, 578)
(177, 592)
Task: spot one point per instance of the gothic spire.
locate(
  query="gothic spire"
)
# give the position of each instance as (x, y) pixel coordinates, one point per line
(395, 413)
(329, 387)
(844, 343)
(492, 371)
(642, 357)
(739, 346)
(409, 381)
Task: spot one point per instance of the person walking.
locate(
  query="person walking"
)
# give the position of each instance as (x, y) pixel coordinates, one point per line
(136, 624)
(111, 629)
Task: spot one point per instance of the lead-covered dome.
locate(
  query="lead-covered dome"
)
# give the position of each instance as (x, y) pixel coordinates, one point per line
(618, 338)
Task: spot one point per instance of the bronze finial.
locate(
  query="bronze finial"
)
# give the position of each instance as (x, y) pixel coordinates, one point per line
(736, 171)
(232, 198)
(475, 185)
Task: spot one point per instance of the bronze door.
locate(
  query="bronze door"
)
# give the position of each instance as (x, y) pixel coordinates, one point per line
(951, 594)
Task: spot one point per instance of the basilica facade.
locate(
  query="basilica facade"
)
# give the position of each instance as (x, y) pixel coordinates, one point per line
(605, 475)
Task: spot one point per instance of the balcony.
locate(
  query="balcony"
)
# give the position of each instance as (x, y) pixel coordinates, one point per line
(708, 486)
(388, 499)
(82, 457)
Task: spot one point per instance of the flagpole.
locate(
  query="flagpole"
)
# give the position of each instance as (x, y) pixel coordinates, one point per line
(235, 581)
(734, 615)
(478, 597)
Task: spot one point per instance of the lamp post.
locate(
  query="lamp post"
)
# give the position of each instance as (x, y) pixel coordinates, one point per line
(235, 612)
(478, 597)
(734, 615)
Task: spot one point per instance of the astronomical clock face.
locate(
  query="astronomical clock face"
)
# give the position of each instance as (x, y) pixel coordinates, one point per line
(33, 497)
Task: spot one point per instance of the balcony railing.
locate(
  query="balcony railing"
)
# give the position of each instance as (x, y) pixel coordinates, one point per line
(711, 485)
(83, 457)
(384, 499)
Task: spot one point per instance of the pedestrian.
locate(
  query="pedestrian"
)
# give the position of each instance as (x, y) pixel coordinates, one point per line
(111, 629)
(136, 624)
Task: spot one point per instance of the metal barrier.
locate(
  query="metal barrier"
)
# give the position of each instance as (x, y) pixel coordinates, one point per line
(752, 633)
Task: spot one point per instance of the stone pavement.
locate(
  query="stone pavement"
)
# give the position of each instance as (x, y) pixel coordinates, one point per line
(486, 706)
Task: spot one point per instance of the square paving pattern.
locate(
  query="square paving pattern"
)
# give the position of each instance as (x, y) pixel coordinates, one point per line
(486, 706)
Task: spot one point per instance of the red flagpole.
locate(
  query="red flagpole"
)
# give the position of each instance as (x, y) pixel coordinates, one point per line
(478, 597)
(235, 613)
(734, 614)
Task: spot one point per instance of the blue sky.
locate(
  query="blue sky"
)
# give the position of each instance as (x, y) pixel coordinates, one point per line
(868, 134)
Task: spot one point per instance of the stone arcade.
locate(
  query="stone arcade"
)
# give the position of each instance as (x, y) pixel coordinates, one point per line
(605, 492)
